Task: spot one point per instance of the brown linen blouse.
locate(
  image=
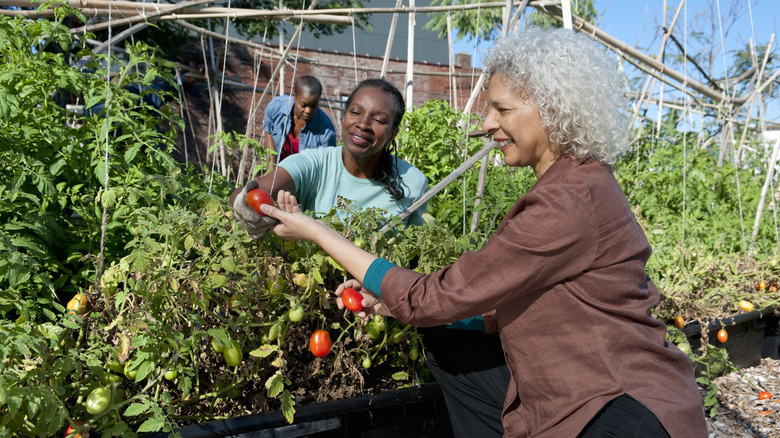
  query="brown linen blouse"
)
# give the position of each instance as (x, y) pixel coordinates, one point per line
(565, 275)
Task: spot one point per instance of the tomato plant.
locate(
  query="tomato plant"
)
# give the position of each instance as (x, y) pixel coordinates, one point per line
(257, 197)
(723, 336)
(233, 354)
(319, 343)
(98, 400)
(764, 395)
(352, 299)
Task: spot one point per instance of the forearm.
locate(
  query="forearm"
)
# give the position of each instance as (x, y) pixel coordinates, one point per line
(355, 260)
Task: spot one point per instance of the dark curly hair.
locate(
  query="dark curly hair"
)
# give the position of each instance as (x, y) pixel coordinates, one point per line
(386, 170)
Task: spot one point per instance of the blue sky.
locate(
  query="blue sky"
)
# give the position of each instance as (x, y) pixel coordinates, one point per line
(636, 22)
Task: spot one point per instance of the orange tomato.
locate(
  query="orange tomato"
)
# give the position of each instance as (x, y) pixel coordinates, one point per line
(78, 304)
(679, 322)
(761, 285)
(723, 336)
(763, 395)
(747, 306)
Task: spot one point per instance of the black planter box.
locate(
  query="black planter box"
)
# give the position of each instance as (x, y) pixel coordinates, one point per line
(752, 335)
(407, 412)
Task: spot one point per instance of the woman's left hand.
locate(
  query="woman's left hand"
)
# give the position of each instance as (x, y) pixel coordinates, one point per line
(372, 304)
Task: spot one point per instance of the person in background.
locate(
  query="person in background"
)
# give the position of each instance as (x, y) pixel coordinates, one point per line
(295, 123)
(564, 274)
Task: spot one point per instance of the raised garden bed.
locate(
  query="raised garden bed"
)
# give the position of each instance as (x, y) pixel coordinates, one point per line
(406, 412)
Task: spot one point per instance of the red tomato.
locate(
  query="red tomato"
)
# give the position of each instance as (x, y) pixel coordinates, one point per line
(723, 336)
(257, 197)
(763, 395)
(319, 343)
(352, 299)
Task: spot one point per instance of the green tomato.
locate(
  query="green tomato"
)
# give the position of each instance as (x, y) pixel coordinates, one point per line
(276, 286)
(217, 346)
(414, 353)
(366, 362)
(98, 400)
(108, 378)
(128, 373)
(360, 243)
(380, 322)
(115, 367)
(373, 331)
(233, 354)
(296, 314)
(171, 374)
(684, 347)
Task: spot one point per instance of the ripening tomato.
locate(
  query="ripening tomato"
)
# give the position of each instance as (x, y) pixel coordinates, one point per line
(71, 432)
(319, 343)
(233, 354)
(352, 299)
(747, 306)
(257, 197)
(761, 285)
(679, 322)
(723, 336)
(773, 288)
(78, 304)
(98, 400)
(764, 395)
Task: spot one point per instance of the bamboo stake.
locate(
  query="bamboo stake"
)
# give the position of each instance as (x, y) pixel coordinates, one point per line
(483, 167)
(137, 18)
(753, 96)
(769, 173)
(390, 38)
(410, 60)
(443, 183)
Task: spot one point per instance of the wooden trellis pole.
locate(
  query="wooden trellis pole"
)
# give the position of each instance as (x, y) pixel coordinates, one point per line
(390, 38)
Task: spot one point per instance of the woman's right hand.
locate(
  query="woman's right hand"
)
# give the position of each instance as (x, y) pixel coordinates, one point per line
(293, 224)
(372, 304)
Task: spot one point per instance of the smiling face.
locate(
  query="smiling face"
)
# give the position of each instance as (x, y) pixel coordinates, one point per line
(514, 122)
(368, 122)
(305, 106)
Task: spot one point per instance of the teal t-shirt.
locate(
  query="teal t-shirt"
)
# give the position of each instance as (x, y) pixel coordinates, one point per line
(320, 178)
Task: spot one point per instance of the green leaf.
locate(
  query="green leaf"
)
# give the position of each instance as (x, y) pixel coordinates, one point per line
(288, 403)
(275, 384)
(137, 408)
(264, 350)
(153, 424)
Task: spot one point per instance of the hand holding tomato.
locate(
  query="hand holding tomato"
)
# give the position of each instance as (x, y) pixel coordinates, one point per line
(257, 197)
(370, 303)
(255, 222)
(352, 299)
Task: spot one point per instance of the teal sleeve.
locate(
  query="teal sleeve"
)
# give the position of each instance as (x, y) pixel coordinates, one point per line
(376, 272)
(474, 323)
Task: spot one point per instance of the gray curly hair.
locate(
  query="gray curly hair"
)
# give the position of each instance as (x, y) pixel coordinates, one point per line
(577, 87)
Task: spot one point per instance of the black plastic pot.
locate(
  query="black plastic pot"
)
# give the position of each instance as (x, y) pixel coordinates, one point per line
(407, 412)
(752, 335)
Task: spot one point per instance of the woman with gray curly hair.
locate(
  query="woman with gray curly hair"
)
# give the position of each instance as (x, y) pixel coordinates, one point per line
(563, 278)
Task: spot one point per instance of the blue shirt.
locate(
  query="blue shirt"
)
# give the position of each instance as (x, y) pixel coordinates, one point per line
(320, 178)
(317, 132)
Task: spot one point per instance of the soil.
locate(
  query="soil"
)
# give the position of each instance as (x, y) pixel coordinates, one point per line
(740, 413)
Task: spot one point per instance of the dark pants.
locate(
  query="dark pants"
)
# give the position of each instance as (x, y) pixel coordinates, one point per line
(472, 371)
(624, 417)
